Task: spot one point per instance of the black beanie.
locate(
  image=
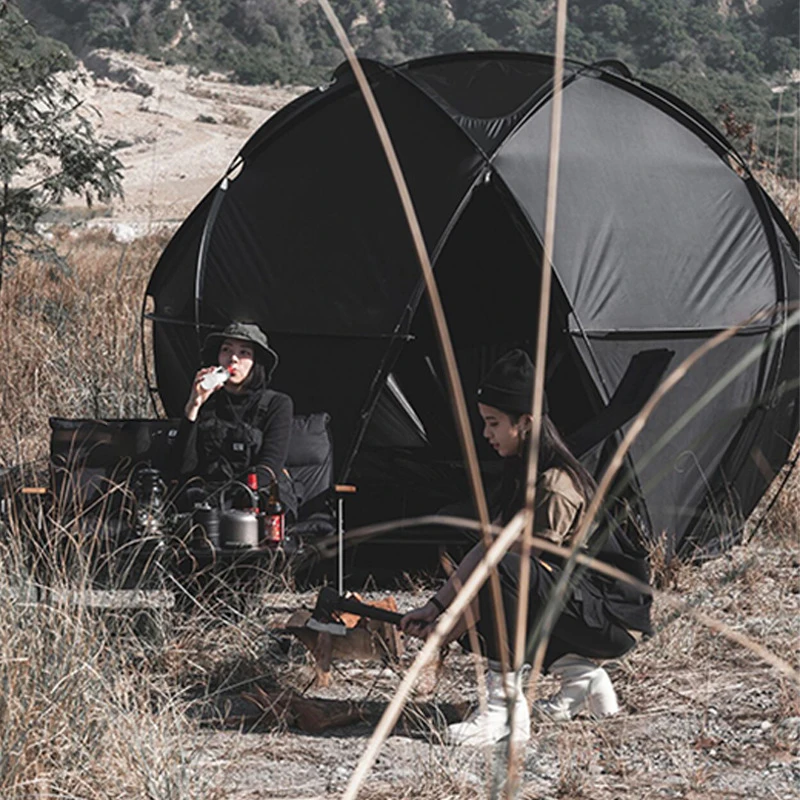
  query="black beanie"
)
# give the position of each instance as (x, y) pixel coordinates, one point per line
(509, 384)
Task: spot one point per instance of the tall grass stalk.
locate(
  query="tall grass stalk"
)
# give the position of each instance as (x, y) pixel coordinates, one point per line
(454, 385)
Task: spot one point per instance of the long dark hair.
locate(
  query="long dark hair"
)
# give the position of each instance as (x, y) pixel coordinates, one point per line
(553, 452)
(256, 379)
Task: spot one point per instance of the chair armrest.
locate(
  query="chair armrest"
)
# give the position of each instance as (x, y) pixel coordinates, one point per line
(344, 488)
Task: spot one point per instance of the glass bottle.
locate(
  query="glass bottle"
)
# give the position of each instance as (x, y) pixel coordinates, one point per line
(274, 517)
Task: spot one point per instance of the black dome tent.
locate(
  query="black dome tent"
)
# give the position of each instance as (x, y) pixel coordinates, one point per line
(663, 238)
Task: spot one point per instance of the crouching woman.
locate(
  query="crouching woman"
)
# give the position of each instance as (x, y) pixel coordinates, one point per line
(600, 616)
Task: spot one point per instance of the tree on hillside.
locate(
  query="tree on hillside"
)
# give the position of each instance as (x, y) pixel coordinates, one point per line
(48, 147)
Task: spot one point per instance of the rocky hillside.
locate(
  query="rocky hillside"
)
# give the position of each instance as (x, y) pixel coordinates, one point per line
(290, 39)
(722, 56)
(176, 132)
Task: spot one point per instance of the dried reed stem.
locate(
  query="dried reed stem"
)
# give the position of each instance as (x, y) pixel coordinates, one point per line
(520, 634)
(456, 390)
(551, 610)
(452, 614)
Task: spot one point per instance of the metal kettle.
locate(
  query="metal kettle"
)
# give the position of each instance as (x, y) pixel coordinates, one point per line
(239, 528)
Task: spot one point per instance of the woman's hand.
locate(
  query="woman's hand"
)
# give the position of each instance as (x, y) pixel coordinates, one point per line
(199, 395)
(421, 621)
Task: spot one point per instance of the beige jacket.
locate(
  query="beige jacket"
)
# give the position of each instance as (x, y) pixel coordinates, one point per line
(559, 507)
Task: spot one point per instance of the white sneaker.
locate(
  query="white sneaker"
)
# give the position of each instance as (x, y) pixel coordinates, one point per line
(583, 683)
(486, 728)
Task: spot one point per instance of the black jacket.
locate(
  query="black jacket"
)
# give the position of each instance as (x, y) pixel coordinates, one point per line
(235, 434)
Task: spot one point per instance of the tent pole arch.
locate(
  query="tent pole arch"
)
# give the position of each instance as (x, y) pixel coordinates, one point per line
(402, 330)
(202, 252)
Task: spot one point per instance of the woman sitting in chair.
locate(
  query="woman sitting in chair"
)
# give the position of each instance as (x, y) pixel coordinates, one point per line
(240, 426)
(599, 613)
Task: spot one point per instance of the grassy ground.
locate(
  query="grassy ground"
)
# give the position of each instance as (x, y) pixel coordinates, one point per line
(113, 703)
(69, 333)
(116, 703)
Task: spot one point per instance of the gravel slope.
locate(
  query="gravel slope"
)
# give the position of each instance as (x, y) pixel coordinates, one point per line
(177, 133)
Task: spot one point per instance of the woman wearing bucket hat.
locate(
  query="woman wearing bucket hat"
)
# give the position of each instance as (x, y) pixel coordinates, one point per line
(598, 616)
(239, 426)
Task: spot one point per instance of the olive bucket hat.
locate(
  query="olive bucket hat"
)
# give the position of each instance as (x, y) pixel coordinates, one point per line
(249, 332)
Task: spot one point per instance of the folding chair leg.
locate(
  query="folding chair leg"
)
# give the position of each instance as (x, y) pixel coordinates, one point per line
(340, 533)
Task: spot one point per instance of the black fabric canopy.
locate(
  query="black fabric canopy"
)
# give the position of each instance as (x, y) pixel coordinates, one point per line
(663, 238)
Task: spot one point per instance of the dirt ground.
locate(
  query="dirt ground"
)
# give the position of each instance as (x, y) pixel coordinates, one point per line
(702, 717)
(177, 133)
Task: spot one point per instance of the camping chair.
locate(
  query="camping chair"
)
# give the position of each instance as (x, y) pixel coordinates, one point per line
(321, 502)
(95, 467)
(643, 374)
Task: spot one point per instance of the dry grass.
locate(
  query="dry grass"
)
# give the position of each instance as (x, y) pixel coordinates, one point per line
(786, 194)
(70, 339)
(105, 696)
(108, 703)
(99, 706)
(777, 517)
(85, 711)
(709, 714)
